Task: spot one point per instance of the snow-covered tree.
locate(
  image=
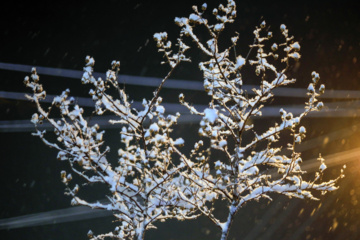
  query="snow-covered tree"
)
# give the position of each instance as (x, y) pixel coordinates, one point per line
(153, 179)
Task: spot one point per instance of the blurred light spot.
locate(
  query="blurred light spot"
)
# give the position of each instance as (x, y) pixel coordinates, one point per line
(352, 192)
(206, 231)
(354, 200)
(326, 141)
(334, 225)
(354, 128)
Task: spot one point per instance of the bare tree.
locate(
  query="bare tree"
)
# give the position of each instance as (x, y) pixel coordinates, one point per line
(146, 184)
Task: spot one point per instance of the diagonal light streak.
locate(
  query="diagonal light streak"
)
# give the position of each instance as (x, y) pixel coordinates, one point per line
(171, 83)
(269, 111)
(55, 216)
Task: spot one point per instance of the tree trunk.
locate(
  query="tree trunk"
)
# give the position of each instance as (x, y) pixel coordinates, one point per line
(140, 236)
(140, 232)
(225, 229)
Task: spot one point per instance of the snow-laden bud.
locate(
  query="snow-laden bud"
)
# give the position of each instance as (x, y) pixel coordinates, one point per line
(63, 174)
(39, 88)
(90, 234)
(115, 64)
(218, 173)
(35, 118)
(204, 6)
(160, 36)
(96, 126)
(311, 88)
(296, 56)
(289, 116)
(302, 130)
(69, 177)
(26, 80)
(74, 202)
(295, 46)
(272, 138)
(269, 35)
(319, 105)
(218, 165)
(274, 47)
(154, 128)
(76, 188)
(56, 131)
(323, 165)
(99, 136)
(196, 146)
(219, 27)
(322, 89)
(90, 62)
(315, 77)
(207, 85)
(61, 156)
(282, 27)
(263, 24)
(35, 77)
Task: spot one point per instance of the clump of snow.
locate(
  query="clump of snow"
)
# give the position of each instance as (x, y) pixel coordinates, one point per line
(302, 130)
(282, 27)
(210, 115)
(240, 62)
(160, 36)
(179, 141)
(222, 143)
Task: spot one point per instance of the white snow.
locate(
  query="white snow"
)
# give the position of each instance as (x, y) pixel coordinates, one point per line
(302, 129)
(179, 141)
(160, 36)
(322, 167)
(240, 62)
(210, 114)
(222, 143)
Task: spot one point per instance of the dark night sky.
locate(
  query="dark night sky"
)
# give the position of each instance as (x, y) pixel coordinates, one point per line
(60, 34)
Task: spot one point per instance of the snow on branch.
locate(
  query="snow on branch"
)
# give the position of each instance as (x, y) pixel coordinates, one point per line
(145, 184)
